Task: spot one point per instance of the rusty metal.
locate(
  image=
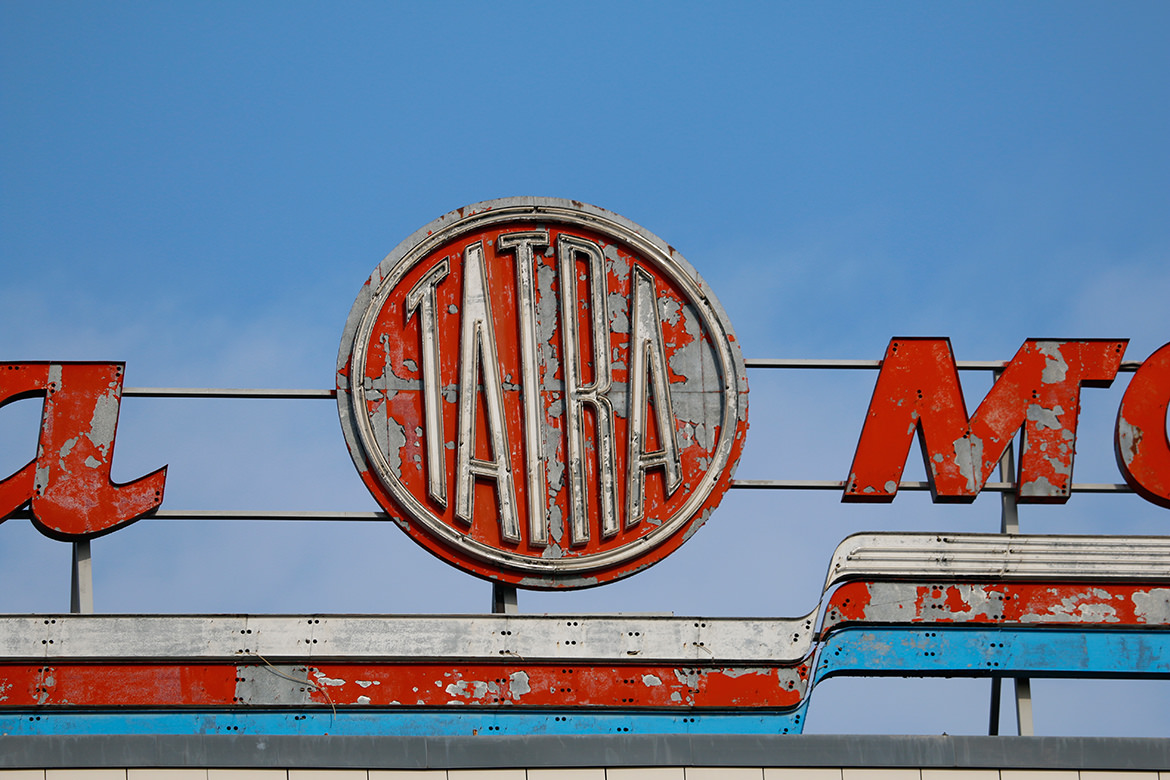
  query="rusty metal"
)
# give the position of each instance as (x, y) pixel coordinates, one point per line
(918, 389)
(906, 604)
(525, 384)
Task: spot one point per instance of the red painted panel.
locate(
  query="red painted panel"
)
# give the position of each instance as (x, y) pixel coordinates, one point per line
(1048, 603)
(117, 685)
(409, 684)
(561, 685)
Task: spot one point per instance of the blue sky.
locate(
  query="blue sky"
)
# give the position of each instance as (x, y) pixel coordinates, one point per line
(201, 189)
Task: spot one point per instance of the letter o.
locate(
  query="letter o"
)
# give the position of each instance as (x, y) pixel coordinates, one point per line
(1141, 442)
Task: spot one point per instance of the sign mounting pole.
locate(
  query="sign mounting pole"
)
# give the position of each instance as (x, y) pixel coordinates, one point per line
(81, 585)
(1009, 523)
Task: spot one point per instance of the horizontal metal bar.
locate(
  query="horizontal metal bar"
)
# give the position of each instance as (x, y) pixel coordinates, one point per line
(607, 639)
(223, 514)
(1083, 604)
(810, 363)
(224, 392)
(598, 751)
(799, 363)
(943, 556)
(228, 514)
(984, 652)
(740, 484)
(737, 484)
(962, 365)
(399, 684)
(452, 721)
(795, 363)
(912, 485)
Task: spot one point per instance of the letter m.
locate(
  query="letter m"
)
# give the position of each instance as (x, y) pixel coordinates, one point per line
(918, 390)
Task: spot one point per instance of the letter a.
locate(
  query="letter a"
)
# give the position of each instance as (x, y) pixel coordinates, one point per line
(477, 348)
(648, 356)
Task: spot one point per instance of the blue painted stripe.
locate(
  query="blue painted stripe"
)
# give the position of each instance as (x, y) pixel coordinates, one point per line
(397, 722)
(975, 652)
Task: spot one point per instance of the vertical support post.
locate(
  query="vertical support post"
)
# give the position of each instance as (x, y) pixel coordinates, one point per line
(1024, 707)
(81, 590)
(1009, 523)
(993, 720)
(504, 599)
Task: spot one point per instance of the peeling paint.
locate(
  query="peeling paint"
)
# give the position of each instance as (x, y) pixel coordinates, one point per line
(1045, 418)
(1055, 367)
(518, 684)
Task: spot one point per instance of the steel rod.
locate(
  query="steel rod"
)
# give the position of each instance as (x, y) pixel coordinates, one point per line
(1009, 523)
(272, 393)
(225, 392)
(504, 599)
(740, 484)
(912, 485)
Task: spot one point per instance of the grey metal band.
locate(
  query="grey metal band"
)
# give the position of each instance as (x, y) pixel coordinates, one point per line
(305, 752)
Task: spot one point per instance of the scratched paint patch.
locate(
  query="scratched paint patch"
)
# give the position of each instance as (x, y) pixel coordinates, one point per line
(542, 393)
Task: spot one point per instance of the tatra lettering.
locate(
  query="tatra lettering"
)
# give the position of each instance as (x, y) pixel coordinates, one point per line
(586, 366)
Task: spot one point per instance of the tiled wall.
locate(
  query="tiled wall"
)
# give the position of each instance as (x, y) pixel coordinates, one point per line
(649, 773)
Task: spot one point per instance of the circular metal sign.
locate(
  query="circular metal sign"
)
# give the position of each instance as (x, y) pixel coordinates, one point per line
(542, 393)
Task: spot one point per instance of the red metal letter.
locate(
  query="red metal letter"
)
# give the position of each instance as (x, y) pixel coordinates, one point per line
(918, 389)
(17, 381)
(1142, 446)
(72, 495)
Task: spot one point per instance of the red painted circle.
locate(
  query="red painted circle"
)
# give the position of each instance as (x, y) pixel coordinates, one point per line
(461, 279)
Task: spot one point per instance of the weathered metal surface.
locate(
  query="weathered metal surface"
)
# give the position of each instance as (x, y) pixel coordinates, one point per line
(940, 557)
(966, 651)
(529, 638)
(918, 390)
(542, 393)
(950, 605)
(1047, 603)
(403, 684)
(67, 484)
(372, 722)
(1142, 443)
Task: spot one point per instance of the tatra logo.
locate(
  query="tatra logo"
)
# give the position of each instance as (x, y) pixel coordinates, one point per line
(542, 392)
